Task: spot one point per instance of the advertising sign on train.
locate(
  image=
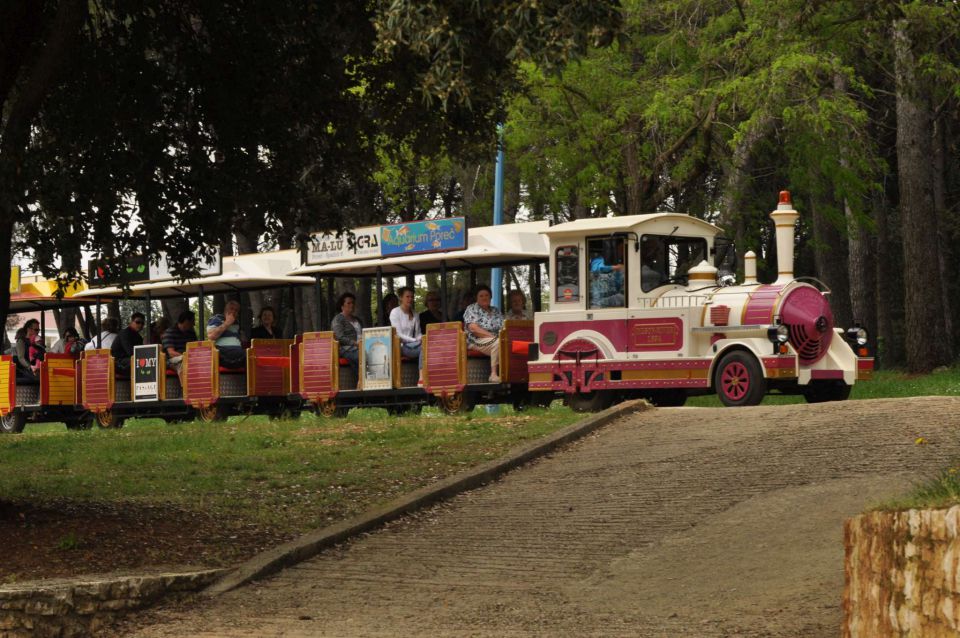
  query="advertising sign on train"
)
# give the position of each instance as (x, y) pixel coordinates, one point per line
(359, 243)
(138, 269)
(208, 267)
(434, 235)
(146, 373)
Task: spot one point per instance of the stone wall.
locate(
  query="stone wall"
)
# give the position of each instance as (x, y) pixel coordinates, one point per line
(77, 608)
(902, 574)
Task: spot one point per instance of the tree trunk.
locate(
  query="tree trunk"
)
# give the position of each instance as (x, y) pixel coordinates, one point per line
(829, 253)
(943, 241)
(927, 346)
(888, 294)
(862, 271)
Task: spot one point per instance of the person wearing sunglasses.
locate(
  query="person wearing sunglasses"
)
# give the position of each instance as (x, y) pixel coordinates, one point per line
(122, 348)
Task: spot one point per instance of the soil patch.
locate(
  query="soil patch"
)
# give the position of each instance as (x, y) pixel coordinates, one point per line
(65, 538)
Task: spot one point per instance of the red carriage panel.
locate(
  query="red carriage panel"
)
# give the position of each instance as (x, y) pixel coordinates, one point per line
(295, 364)
(319, 366)
(201, 385)
(96, 368)
(268, 367)
(513, 359)
(445, 358)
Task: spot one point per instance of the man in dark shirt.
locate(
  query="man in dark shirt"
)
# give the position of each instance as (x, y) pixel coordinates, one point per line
(175, 341)
(122, 348)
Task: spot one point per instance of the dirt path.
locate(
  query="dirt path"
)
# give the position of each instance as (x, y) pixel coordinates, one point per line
(690, 522)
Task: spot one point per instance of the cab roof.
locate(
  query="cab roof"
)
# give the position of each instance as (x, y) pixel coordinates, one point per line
(605, 225)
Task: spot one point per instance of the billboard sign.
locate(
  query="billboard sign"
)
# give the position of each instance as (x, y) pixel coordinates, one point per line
(359, 243)
(431, 236)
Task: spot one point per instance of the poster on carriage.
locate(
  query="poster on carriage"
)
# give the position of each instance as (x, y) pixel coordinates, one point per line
(376, 363)
(146, 373)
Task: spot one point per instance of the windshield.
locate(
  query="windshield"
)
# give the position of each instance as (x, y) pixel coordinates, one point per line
(665, 259)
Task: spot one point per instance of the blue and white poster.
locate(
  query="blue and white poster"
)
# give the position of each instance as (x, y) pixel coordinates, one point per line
(377, 362)
(434, 235)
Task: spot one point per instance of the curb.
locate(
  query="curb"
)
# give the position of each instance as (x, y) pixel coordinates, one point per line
(311, 544)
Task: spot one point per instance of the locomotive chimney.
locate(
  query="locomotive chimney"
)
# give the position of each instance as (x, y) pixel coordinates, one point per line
(749, 268)
(784, 218)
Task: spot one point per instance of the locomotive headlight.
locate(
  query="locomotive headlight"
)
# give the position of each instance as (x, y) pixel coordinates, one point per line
(778, 334)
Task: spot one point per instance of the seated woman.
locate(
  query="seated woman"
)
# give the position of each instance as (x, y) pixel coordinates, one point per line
(28, 365)
(518, 306)
(347, 330)
(108, 333)
(266, 328)
(483, 323)
(389, 303)
(70, 343)
(407, 324)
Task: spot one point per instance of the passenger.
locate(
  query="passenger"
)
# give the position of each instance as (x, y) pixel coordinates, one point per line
(606, 283)
(469, 297)
(483, 323)
(175, 341)
(27, 368)
(348, 330)
(224, 330)
(122, 348)
(107, 335)
(389, 303)
(70, 343)
(157, 328)
(518, 306)
(265, 330)
(37, 348)
(407, 324)
(433, 313)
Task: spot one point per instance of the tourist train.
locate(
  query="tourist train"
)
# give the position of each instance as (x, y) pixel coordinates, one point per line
(640, 306)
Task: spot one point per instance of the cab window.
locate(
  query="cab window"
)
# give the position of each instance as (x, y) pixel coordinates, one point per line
(607, 268)
(567, 259)
(665, 259)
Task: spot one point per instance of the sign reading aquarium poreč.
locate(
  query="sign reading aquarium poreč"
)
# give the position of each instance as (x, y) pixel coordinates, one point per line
(433, 235)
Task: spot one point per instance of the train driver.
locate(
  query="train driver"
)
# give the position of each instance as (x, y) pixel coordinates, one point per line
(606, 278)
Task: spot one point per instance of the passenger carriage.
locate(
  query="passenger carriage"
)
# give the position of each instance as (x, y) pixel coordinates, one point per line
(454, 377)
(209, 391)
(52, 397)
(679, 326)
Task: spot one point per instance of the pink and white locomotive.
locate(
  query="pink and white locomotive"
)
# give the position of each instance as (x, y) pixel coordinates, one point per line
(637, 309)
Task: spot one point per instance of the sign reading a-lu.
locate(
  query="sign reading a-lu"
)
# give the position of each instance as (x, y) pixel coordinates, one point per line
(434, 235)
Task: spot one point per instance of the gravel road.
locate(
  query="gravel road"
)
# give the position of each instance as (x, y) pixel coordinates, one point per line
(670, 522)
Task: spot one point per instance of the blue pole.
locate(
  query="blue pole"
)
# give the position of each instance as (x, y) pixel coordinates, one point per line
(496, 274)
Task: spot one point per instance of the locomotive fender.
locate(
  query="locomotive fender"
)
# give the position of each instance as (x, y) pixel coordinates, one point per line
(758, 347)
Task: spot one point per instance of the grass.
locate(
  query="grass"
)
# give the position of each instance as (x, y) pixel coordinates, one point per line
(291, 475)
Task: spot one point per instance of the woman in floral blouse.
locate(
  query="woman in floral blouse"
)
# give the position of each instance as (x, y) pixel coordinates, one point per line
(483, 323)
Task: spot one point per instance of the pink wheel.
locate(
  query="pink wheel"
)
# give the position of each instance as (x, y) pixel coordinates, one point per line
(739, 380)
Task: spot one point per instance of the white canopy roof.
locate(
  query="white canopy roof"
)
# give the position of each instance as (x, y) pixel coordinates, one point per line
(487, 246)
(602, 225)
(240, 272)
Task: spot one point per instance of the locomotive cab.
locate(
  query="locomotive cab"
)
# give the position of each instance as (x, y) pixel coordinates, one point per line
(638, 310)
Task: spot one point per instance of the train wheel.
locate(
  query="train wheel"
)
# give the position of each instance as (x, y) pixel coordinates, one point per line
(13, 422)
(457, 403)
(79, 423)
(820, 392)
(108, 420)
(330, 410)
(211, 414)
(739, 380)
(540, 399)
(590, 401)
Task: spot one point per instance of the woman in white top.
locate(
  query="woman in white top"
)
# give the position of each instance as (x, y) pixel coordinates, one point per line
(407, 324)
(111, 325)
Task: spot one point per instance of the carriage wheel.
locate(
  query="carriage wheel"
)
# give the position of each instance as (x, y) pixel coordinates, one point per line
(210, 413)
(590, 401)
(667, 398)
(330, 410)
(107, 419)
(79, 423)
(13, 422)
(457, 403)
(739, 380)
